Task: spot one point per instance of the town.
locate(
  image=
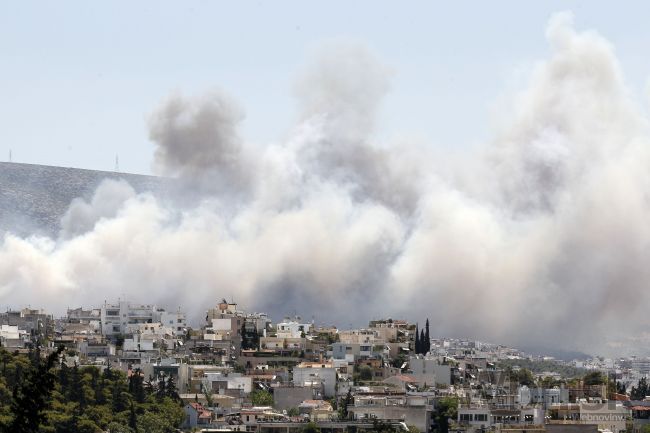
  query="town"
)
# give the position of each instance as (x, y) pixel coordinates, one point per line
(124, 367)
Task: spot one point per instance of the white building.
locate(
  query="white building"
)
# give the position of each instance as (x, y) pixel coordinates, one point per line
(429, 371)
(483, 417)
(138, 344)
(313, 373)
(412, 409)
(292, 329)
(115, 318)
(219, 382)
(361, 336)
(174, 320)
(11, 336)
(352, 350)
(543, 396)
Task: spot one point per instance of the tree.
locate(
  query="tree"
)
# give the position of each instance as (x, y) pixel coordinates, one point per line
(639, 392)
(446, 408)
(343, 407)
(524, 377)
(41, 399)
(161, 389)
(423, 343)
(417, 340)
(171, 390)
(427, 338)
(311, 427)
(208, 396)
(594, 378)
(133, 418)
(399, 360)
(32, 394)
(261, 397)
(76, 392)
(381, 426)
(365, 373)
(136, 385)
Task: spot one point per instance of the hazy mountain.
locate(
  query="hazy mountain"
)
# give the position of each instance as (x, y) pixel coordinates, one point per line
(33, 198)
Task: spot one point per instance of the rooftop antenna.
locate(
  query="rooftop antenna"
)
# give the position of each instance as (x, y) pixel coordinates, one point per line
(117, 162)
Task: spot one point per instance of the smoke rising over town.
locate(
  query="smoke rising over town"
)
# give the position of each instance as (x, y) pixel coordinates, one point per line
(530, 237)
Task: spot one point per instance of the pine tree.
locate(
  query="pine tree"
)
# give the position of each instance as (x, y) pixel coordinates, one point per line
(343, 407)
(171, 390)
(427, 338)
(423, 347)
(136, 385)
(161, 390)
(417, 340)
(76, 392)
(31, 396)
(64, 378)
(133, 418)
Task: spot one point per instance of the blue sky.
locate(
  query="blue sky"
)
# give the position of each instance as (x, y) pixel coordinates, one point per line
(79, 79)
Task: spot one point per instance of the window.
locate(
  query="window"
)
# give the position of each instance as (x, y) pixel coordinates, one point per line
(112, 313)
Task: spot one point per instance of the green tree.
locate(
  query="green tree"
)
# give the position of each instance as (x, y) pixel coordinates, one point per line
(445, 409)
(343, 407)
(365, 373)
(311, 427)
(427, 338)
(31, 396)
(261, 397)
(381, 426)
(171, 390)
(640, 391)
(594, 378)
(524, 377)
(116, 427)
(136, 385)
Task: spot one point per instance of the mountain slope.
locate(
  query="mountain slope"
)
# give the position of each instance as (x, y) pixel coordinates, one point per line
(33, 198)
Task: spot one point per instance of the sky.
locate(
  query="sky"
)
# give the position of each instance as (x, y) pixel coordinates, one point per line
(79, 80)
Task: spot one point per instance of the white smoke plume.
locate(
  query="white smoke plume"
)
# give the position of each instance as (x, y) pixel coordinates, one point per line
(82, 216)
(541, 238)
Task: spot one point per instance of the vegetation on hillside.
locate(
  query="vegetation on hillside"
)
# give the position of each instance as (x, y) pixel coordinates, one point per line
(40, 395)
(538, 367)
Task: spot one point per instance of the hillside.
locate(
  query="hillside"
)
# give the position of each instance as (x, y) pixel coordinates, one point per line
(33, 198)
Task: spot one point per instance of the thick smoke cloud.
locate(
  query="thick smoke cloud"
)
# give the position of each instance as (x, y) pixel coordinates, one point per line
(540, 238)
(198, 142)
(82, 216)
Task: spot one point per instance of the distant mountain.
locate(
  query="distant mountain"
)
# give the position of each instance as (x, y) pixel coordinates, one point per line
(33, 198)
(564, 355)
